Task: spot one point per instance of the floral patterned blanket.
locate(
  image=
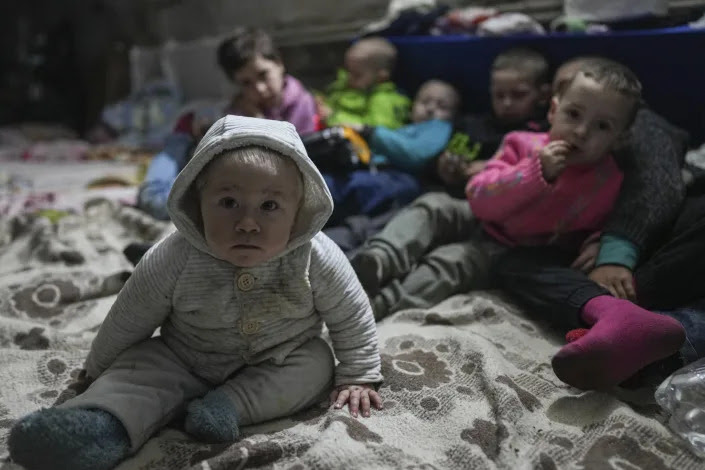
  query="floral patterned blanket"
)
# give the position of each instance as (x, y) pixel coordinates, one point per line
(468, 383)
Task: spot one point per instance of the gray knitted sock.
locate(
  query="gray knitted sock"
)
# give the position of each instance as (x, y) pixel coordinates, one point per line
(213, 418)
(73, 438)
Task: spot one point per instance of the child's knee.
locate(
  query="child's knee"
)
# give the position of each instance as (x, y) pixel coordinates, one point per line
(434, 202)
(268, 391)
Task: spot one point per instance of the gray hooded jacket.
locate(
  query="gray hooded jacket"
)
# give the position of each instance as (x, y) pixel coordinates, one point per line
(218, 317)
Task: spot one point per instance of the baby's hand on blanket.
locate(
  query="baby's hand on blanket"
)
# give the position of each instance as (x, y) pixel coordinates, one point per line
(358, 396)
(616, 279)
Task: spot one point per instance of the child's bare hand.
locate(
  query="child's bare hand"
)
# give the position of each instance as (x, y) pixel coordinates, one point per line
(587, 257)
(553, 159)
(616, 279)
(359, 398)
(474, 168)
(451, 169)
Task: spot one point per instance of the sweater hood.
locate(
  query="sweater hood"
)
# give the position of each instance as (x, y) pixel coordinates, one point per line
(231, 132)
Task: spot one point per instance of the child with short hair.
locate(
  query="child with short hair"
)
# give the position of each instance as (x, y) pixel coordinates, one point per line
(519, 92)
(240, 292)
(249, 59)
(623, 337)
(364, 93)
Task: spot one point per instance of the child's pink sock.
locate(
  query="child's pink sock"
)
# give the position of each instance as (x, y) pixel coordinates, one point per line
(623, 338)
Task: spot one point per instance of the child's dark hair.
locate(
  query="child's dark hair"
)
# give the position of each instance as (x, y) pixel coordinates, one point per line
(613, 76)
(525, 60)
(245, 44)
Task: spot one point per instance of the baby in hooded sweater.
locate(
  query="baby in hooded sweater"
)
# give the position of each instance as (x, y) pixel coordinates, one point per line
(240, 293)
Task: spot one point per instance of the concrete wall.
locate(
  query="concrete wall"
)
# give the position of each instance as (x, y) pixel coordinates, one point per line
(312, 34)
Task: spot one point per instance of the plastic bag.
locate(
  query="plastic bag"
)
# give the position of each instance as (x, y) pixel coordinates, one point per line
(683, 395)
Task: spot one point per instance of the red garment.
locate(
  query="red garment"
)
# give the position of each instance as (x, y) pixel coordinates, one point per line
(518, 207)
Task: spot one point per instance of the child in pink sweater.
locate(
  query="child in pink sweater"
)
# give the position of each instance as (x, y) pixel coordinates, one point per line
(556, 189)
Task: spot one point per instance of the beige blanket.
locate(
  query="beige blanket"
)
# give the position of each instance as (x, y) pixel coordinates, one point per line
(468, 383)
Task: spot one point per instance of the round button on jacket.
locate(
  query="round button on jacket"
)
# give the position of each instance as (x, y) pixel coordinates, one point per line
(245, 282)
(250, 327)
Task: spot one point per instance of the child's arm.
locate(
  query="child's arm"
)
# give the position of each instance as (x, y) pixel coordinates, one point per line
(510, 181)
(614, 264)
(652, 191)
(141, 306)
(345, 308)
(412, 147)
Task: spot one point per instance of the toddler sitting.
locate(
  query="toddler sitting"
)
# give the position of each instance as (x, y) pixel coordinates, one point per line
(240, 291)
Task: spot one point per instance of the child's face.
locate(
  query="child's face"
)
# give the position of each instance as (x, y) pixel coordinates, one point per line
(261, 81)
(590, 118)
(434, 101)
(248, 212)
(361, 74)
(515, 96)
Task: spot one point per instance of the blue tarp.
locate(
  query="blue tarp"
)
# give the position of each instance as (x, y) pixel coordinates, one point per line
(670, 63)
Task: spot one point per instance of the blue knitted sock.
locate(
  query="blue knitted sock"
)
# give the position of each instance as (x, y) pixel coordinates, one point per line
(213, 418)
(71, 438)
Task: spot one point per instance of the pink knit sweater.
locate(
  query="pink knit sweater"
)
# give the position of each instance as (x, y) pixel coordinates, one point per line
(518, 207)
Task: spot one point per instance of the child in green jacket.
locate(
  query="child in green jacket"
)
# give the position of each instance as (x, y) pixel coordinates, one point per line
(363, 92)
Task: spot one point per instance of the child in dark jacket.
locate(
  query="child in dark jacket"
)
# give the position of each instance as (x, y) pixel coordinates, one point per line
(519, 92)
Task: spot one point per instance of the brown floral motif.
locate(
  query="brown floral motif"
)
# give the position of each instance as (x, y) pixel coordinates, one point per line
(610, 452)
(354, 428)
(429, 403)
(473, 362)
(546, 462)
(487, 435)
(414, 370)
(56, 370)
(45, 298)
(32, 340)
(253, 454)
